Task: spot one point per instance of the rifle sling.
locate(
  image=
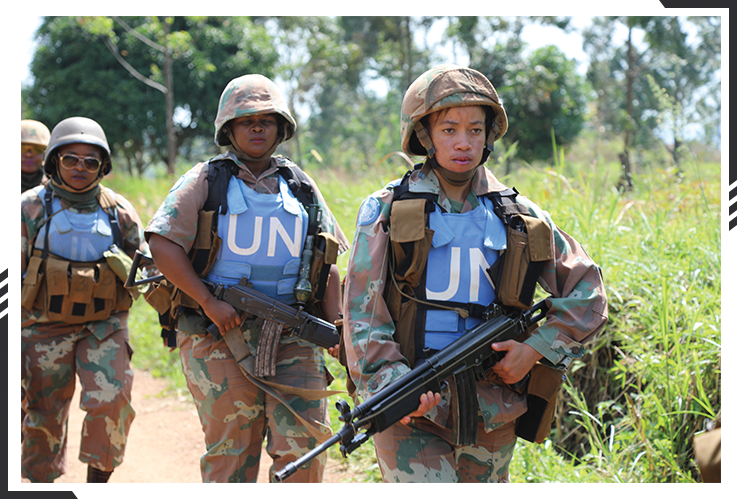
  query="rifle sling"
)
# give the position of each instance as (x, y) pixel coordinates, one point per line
(237, 345)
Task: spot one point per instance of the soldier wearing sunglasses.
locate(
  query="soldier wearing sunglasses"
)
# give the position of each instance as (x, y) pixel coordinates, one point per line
(33, 139)
(74, 233)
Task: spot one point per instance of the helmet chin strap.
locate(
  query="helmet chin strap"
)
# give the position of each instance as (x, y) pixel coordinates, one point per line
(456, 179)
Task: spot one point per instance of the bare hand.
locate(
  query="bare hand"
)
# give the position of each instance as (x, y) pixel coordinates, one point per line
(334, 351)
(427, 401)
(222, 314)
(517, 362)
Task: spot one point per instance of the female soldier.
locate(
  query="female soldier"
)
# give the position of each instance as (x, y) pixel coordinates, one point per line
(73, 234)
(34, 136)
(417, 279)
(262, 225)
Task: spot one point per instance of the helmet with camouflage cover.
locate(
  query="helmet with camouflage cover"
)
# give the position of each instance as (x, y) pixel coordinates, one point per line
(33, 132)
(445, 86)
(248, 95)
(76, 130)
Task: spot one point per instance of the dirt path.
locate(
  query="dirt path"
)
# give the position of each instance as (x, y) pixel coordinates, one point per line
(165, 441)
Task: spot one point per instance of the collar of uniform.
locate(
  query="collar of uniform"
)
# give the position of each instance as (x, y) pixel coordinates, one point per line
(245, 173)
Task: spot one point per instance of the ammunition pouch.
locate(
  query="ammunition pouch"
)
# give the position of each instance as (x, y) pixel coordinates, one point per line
(72, 292)
(542, 391)
(517, 269)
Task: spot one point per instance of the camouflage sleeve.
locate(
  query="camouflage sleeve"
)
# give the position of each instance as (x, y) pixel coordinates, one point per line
(31, 216)
(328, 222)
(578, 304)
(131, 227)
(176, 218)
(373, 357)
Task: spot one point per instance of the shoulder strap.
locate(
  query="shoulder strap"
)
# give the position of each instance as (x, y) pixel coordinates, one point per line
(218, 177)
(506, 205)
(298, 183)
(106, 198)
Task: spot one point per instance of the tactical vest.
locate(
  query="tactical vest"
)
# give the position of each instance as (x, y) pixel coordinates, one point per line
(68, 277)
(513, 274)
(169, 301)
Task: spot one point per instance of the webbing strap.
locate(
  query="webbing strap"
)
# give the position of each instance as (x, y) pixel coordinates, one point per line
(237, 345)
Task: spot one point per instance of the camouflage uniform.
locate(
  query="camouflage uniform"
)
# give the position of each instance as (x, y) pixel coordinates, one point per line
(98, 352)
(234, 412)
(421, 451)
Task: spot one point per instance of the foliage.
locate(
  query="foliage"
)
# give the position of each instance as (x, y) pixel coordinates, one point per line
(76, 74)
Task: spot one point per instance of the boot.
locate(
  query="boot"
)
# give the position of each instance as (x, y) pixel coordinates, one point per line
(97, 476)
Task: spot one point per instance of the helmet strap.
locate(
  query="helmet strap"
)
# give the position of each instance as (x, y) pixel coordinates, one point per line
(245, 157)
(456, 179)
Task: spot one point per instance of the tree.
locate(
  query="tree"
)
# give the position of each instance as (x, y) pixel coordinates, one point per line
(627, 104)
(540, 91)
(76, 75)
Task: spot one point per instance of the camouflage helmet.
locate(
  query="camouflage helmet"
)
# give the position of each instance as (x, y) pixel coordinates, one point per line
(77, 130)
(248, 95)
(444, 86)
(33, 132)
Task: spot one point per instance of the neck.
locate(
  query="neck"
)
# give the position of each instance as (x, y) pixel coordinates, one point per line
(455, 192)
(257, 167)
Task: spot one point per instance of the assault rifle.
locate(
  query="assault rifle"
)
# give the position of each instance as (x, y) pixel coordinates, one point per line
(402, 396)
(243, 297)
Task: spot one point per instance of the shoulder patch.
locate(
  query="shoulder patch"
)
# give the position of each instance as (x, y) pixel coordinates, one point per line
(369, 211)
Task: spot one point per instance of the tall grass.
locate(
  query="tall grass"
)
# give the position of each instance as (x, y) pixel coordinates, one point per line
(652, 377)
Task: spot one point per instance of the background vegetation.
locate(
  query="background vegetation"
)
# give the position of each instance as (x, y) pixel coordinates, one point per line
(625, 159)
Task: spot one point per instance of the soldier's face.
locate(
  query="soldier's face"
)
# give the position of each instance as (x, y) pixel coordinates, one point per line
(256, 134)
(459, 135)
(79, 176)
(31, 157)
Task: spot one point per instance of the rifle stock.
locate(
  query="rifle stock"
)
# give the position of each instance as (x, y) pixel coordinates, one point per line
(402, 396)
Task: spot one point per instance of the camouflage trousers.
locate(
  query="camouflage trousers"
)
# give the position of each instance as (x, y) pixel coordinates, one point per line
(421, 452)
(52, 355)
(236, 415)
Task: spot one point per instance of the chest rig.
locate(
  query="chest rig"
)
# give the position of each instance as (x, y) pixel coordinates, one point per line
(66, 289)
(170, 301)
(513, 275)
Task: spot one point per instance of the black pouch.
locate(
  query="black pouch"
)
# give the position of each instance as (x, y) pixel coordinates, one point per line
(542, 394)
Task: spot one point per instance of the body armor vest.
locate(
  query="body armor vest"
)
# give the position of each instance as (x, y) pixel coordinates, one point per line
(68, 278)
(262, 239)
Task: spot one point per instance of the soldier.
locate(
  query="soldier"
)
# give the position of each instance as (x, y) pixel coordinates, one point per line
(74, 235)
(417, 279)
(34, 136)
(256, 231)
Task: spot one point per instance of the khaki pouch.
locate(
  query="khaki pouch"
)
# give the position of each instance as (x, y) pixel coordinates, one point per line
(159, 296)
(542, 395)
(522, 262)
(32, 282)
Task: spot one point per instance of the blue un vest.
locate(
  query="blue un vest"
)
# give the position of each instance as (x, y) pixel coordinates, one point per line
(463, 247)
(262, 239)
(75, 236)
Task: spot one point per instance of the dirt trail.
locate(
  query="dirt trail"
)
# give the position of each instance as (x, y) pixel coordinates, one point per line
(165, 441)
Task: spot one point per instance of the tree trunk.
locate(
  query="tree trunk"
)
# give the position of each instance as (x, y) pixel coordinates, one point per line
(171, 139)
(626, 180)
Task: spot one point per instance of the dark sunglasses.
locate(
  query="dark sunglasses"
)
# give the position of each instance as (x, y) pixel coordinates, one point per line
(69, 161)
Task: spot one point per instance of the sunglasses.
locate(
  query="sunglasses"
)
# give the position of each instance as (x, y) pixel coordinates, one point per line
(69, 161)
(32, 148)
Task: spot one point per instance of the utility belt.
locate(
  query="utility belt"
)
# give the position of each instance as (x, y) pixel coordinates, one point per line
(75, 292)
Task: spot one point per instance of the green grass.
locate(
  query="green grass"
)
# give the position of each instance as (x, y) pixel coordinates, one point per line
(653, 376)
